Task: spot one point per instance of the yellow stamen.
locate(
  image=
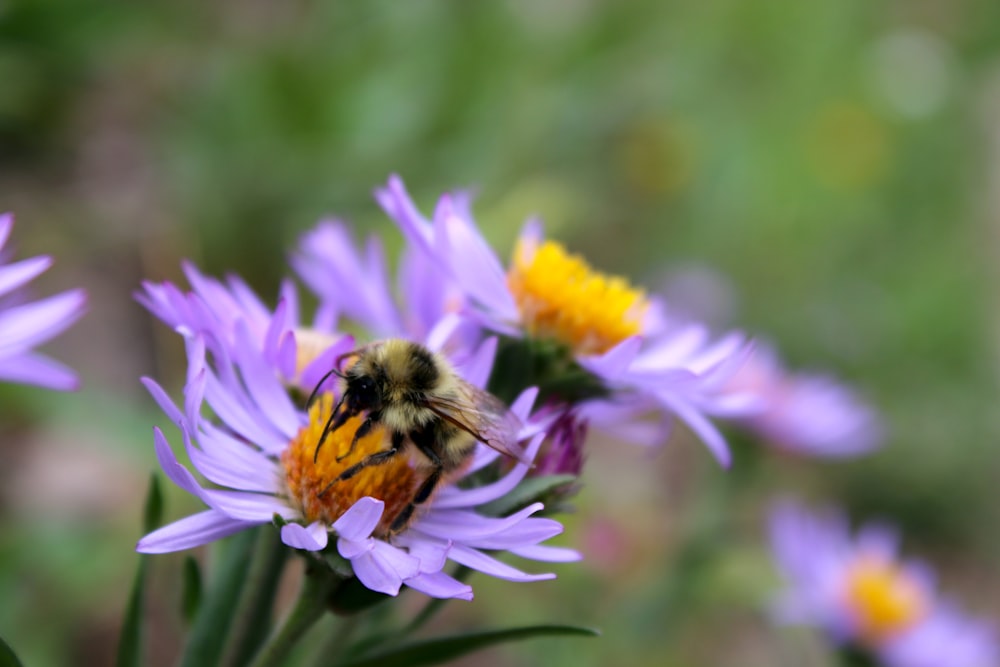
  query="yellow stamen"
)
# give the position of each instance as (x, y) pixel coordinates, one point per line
(393, 482)
(560, 296)
(885, 599)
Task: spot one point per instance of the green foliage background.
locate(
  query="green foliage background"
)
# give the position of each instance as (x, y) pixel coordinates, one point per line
(847, 199)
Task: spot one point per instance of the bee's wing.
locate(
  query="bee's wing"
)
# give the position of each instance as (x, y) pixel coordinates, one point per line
(483, 416)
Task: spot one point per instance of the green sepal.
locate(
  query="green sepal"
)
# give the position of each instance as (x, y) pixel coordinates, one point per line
(546, 364)
(528, 491)
(340, 565)
(211, 624)
(191, 589)
(7, 656)
(443, 649)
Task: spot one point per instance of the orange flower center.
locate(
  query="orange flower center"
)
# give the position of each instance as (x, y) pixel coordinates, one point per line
(560, 296)
(885, 600)
(393, 482)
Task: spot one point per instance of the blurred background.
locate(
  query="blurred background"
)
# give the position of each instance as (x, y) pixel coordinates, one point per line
(824, 174)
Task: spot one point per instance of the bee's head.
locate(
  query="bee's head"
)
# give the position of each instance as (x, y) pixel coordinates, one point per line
(362, 393)
(364, 388)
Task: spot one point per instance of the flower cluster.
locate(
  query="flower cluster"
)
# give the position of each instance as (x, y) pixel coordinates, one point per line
(589, 349)
(25, 324)
(866, 599)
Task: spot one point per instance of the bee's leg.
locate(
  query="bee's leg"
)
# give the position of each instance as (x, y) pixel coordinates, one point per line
(422, 440)
(363, 430)
(378, 458)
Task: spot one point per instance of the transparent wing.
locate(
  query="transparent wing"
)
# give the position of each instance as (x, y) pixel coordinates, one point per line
(483, 416)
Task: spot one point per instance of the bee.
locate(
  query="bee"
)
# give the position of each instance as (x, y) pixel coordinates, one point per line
(427, 409)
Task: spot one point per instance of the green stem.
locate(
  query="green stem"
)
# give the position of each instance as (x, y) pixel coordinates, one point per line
(334, 642)
(309, 608)
(253, 612)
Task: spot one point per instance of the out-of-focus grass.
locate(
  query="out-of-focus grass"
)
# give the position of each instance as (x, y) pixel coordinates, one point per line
(836, 184)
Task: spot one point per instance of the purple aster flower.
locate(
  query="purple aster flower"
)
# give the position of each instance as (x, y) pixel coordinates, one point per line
(302, 353)
(25, 325)
(612, 329)
(259, 447)
(858, 591)
(805, 413)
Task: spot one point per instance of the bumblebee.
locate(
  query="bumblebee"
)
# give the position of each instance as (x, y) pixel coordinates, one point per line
(428, 411)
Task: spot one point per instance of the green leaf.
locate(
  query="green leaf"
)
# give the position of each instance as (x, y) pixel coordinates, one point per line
(191, 591)
(437, 651)
(211, 624)
(7, 656)
(152, 513)
(130, 642)
(525, 493)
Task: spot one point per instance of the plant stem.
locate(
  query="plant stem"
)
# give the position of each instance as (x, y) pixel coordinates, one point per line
(309, 608)
(253, 612)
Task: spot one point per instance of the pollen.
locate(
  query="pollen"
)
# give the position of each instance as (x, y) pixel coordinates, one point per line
(884, 599)
(561, 297)
(393, 482)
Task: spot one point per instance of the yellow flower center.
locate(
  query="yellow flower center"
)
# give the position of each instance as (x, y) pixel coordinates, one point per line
(560, 296)
(394, 482)
(884, 599)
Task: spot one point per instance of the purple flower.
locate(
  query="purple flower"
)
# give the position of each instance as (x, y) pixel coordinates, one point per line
(24, 325)
(858, 591)
(258, 446)
(806, 413)
(613, 329)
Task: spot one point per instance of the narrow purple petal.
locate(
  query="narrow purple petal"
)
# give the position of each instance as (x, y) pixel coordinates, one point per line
(396, 202)
(17, 274)
(474, 264)
(265, 389)
(249, 506)
(615, 361)
(6, 223)
(703, 428)
(174, 470)
(482, 563)
(38, 370)
(192, 531)
(477, 369)
(548, 554)
(440, 585)
(453, 497)
(34, 323)
(163, 400)
(465, 525)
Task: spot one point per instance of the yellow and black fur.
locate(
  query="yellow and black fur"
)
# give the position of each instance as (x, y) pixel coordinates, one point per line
(426, 408)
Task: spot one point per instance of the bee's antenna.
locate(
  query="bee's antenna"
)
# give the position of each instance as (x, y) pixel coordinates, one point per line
(333, 371)
(336, 420)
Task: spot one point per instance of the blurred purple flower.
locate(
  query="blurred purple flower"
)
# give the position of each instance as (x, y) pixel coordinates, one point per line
(856, 589)
(615, 331)
(25, 325)
(805, 413)
(237, 359)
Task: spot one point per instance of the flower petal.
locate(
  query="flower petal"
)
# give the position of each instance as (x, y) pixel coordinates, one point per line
(313, 537)
(192, 531)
